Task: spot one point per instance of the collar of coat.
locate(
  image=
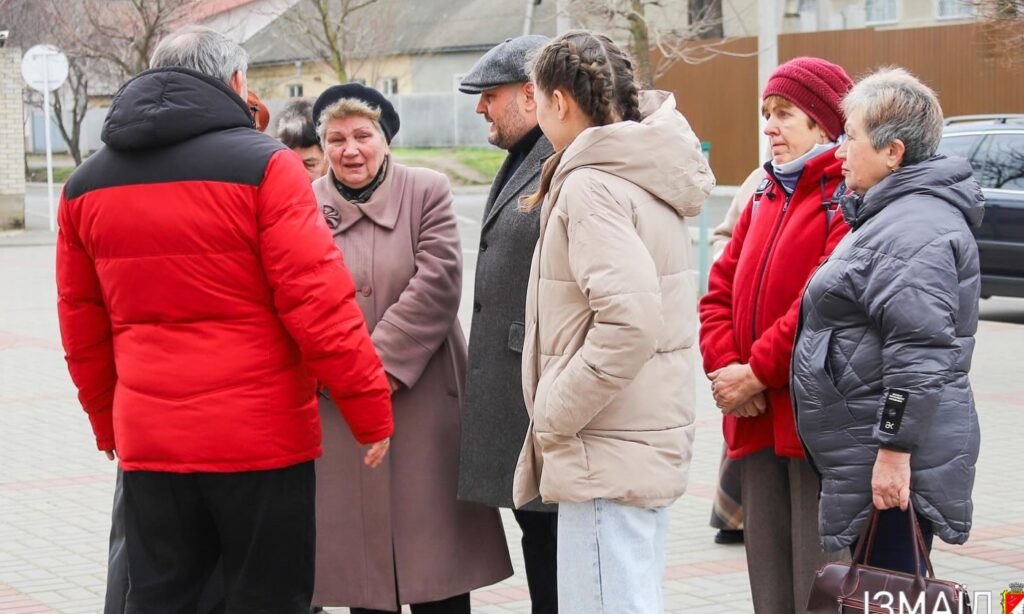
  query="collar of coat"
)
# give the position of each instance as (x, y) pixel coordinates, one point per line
(342, 214)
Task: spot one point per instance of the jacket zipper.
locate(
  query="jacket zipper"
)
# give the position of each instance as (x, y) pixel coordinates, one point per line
(764, 264)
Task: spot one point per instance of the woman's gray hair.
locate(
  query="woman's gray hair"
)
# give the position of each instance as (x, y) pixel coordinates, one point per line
(347, 107)
(203, 50)
(894, 104)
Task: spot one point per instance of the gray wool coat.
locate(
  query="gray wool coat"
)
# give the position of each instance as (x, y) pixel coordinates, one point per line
(494, 418)
(884, 348)
(398, 532)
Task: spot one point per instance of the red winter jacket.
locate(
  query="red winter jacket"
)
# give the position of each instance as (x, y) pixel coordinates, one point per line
(752, 307)
(200, 290)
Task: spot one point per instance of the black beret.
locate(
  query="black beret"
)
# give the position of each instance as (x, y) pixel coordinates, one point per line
(389, 121)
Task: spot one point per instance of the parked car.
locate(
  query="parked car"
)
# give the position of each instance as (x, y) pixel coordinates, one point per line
(994, 144)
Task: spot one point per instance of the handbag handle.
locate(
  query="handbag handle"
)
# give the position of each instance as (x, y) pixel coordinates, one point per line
(866, 542)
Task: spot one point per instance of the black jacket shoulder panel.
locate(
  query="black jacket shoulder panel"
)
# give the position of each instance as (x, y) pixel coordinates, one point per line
(236, 155)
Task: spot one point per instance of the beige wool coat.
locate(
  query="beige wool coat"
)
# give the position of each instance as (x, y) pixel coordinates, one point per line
(609, 358)
(403, 519)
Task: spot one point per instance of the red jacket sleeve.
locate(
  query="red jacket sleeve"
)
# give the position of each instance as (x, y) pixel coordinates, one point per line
(717, 337)
(771, 353)
(315, 298)
(85, 330)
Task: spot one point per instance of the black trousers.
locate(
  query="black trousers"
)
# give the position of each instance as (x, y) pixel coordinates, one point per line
(458, 604)
(260, 524)
(212, 599)
(540, 554)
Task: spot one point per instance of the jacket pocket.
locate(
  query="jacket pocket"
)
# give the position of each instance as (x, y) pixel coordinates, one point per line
(516, 336)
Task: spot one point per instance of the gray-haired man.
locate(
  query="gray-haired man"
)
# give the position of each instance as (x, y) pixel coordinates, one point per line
(191, 267)
(494, 418)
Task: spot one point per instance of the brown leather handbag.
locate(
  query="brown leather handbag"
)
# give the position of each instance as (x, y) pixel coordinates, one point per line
(856, 588)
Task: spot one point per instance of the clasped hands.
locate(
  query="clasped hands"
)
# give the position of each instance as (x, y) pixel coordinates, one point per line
(737, 391)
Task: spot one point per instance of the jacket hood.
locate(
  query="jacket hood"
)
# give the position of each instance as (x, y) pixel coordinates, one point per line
(660, 154)
(162, 106)
(948, 179)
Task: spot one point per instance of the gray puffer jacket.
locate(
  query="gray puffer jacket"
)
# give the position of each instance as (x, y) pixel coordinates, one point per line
(884, 348)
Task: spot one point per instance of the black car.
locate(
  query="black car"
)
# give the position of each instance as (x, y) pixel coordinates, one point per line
(994, 144)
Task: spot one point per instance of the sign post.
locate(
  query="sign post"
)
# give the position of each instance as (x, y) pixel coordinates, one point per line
(44, 69)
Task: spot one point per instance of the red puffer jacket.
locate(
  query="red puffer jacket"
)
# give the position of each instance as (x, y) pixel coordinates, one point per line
(751, 311)
(200, 290)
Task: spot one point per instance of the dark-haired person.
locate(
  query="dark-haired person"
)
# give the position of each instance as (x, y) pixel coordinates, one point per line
(296, 129)
(608, 361)
(399, 535)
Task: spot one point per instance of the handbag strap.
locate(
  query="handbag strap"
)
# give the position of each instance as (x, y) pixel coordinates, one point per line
(866, 542)
(919, 545)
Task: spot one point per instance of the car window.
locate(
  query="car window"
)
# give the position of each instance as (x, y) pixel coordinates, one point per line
(999, 162)
(957, 145)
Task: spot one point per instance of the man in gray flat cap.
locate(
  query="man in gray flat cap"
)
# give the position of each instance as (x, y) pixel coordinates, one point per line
(494, 418)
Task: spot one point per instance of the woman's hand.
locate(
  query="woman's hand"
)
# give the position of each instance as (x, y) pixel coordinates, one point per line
(377, 452)
(752, 408)
(733, 385)
(890, 480)
(393, 384)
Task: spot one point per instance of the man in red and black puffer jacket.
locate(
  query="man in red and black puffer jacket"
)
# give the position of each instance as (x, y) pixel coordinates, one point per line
(201, 297)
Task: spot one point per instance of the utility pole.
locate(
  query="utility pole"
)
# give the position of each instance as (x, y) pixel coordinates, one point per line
(563, 22)
(768, 19)
(528, 21)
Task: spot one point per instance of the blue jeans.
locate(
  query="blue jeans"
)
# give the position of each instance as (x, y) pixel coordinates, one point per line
(894, 542)
(611, 558)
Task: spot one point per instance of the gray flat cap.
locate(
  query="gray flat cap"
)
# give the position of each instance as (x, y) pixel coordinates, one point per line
(505, 63)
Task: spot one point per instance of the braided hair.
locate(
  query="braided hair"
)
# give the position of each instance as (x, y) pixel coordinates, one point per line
(598, 75)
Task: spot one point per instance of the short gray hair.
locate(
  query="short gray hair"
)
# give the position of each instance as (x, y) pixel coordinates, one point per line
(896, 105)
(203, 50)
(347, 107)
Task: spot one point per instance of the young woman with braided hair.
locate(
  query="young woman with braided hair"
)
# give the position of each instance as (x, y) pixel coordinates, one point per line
(610, 320)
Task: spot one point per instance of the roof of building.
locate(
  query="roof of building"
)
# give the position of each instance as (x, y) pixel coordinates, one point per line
(399, 27)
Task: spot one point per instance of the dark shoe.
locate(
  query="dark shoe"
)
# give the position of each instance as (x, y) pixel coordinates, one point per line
(315, 609)
(729, 536)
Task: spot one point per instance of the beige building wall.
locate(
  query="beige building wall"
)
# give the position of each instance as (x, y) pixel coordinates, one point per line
(12, 140)
(276, 82)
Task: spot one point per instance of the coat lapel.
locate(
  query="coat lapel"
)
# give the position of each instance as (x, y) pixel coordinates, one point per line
(341, 214)
(526, 172)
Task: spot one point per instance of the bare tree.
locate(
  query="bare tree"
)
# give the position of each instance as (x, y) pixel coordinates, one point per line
(678, 30)
(119, 35)
(76, 102)
(31, 24)
(331, 31)
(1003, 24)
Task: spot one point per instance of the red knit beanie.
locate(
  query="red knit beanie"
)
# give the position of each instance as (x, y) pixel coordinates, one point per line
(816, 87)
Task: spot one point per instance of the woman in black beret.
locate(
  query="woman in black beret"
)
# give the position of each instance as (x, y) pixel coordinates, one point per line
(397, 534)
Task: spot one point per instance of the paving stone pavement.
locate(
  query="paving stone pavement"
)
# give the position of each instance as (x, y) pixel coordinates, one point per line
(55, 488)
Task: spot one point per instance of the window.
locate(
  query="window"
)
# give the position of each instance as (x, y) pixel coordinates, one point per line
(880, 11)
(389, 86)
(954, 9)
(958, 145)
(999, 164)
(295, 90)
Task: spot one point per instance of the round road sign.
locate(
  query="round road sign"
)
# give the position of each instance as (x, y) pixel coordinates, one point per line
(44, 68)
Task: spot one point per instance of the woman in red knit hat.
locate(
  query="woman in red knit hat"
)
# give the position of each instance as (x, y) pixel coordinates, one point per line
(749, 315)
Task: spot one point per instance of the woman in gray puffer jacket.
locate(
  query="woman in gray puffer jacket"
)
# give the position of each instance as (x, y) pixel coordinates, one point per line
(882, 398)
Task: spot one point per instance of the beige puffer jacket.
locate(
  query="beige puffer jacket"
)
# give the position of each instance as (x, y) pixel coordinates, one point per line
(608, 362)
